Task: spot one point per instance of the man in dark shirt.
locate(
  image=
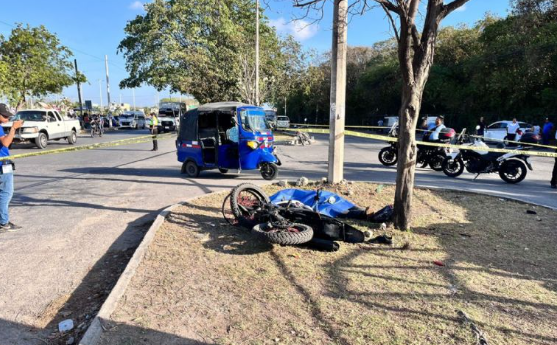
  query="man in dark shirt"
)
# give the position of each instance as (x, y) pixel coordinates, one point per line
(6, 171)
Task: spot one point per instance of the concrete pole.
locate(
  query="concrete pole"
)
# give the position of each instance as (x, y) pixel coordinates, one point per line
(338, 92)
(133, 94)
(78, 88)
(257, 52)
(107, 88)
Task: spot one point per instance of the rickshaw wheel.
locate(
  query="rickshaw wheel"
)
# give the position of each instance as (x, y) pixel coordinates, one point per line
(269, 171)
(191, 169)
(223, 170)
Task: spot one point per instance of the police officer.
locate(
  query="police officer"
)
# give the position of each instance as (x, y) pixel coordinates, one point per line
(154, 130)
(6, 171)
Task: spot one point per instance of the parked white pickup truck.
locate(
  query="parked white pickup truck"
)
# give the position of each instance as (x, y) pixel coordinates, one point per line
(42, 125)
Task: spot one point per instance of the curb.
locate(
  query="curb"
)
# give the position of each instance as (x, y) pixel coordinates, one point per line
(95, 330)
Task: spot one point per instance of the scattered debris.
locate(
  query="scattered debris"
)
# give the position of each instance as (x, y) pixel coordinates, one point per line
(70, 341)
(302, 182)
(379, 189)
(406, 246)
(382, 239)
(539, 219)
(66, 325)
(295, 255)
(480, 337)
(383, 226)
(283, 183)
(438, 263)
(531, 212)
(465, 235)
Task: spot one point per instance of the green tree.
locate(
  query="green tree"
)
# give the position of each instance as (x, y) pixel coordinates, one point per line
(203, 48)
(35, 64)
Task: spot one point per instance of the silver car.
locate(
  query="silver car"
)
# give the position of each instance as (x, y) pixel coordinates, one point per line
(283, 122)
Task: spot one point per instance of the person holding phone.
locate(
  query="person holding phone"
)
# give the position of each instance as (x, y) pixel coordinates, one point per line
(6, 171)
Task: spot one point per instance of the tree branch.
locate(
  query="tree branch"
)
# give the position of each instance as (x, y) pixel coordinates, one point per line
(391, 19)
(448, 8)
(390, 6)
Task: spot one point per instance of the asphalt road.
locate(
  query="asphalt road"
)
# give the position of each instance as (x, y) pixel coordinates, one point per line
(75, 207)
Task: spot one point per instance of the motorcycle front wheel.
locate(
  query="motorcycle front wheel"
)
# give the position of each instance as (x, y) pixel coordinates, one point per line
(388, 156)
(513, 171)
(452, 167)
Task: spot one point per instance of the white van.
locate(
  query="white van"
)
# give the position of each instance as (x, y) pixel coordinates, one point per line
(132, 119)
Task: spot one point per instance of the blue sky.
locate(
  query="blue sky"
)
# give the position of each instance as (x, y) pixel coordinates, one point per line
(94, 28)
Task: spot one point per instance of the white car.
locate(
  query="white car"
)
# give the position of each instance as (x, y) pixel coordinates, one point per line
(283, 122)
(132, 119)
(498, 130)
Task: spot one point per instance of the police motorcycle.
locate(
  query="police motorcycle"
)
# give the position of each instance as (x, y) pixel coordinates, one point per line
(388, 156)
(427, 155)
(512, 167)
(226, 136)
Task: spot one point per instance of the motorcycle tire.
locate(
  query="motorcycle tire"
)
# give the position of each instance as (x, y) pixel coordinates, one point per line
(245, 200)
(436, 162)
(295, 234)
(449, 168)
(509, 171)
(388, 156)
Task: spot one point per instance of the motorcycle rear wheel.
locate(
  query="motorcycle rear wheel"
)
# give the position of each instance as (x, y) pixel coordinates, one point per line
(245, 200)
(436, 162)
(452, 167)
(513, 171)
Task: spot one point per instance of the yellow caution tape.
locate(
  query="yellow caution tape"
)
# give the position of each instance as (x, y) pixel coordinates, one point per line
(460, 147)
(128, 141)
(426, 130)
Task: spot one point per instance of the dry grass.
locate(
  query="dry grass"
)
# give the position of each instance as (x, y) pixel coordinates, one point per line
(204, 282)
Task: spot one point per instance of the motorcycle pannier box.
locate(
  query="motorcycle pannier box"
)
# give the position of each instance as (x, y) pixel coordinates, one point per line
(446, 134)
(529, 138)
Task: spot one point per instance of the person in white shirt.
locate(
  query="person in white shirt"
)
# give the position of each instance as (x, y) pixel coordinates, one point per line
(438, 127)
(512, 128)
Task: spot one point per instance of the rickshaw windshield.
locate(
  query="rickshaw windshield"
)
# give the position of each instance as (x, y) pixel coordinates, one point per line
(253, 120)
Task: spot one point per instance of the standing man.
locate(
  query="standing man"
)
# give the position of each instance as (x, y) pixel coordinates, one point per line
(546, 131)
(512, 128)
(154, 130)
(481, 127)
(6, 171)
(434, 136)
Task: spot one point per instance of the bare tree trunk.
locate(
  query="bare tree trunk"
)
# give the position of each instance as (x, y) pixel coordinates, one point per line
(20, 103)
(407, 151)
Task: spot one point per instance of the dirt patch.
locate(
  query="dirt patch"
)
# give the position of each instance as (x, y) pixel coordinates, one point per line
(471, 262)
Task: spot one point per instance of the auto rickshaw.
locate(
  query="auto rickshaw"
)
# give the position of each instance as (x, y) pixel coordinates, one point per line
(226, 136)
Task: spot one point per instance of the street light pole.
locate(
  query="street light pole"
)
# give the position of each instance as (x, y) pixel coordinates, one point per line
(338, 92)
(78, 87)
(257, 52)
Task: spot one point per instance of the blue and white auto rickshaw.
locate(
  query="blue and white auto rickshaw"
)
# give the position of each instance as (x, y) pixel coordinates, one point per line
(226, 136)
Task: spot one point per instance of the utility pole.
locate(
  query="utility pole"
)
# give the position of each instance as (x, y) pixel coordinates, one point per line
(338, 92)
(257, 52)
(107, 88)
(78, 87)
(133, 94)
(101, 95)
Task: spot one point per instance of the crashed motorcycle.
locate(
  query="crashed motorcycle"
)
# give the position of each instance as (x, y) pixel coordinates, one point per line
(431, 156)
(287, 217)
(512, 167)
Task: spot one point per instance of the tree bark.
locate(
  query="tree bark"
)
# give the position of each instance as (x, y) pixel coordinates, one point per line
(407, 152)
